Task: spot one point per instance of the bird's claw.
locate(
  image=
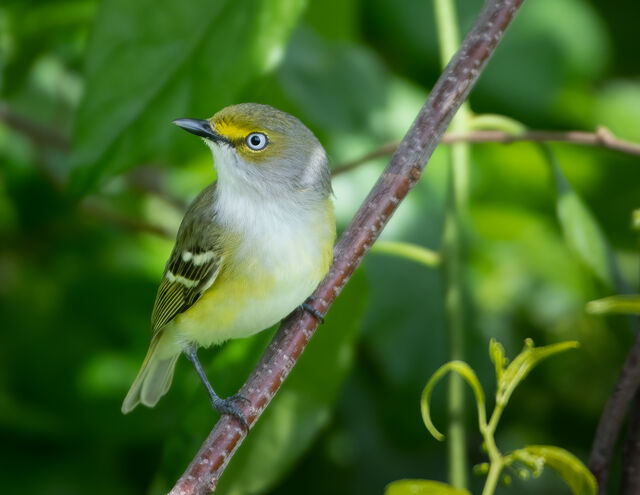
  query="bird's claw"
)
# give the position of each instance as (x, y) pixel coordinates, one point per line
(229, 406)
(310, 309)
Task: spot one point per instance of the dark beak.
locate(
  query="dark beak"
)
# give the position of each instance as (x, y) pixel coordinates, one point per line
(198, 127)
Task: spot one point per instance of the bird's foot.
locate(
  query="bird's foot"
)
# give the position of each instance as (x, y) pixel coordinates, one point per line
(229, 406)
(310, 309)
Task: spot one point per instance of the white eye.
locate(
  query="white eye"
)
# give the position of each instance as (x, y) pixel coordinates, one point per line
(257, 141)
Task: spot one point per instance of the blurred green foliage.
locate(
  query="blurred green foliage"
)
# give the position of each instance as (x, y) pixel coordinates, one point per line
(78, 274)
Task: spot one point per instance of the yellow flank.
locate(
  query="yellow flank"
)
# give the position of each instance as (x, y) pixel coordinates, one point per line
(260, 286)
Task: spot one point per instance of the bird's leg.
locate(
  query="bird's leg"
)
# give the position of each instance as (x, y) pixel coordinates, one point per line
(223, 406)
(310, 309)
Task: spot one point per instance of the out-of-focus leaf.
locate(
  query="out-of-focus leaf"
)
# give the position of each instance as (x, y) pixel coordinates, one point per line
(30, 29)
(334, 19)
(465, 371)
(314, 67)
(481, 469)
(409, 251)
(523, 363)
(422, 487)
(148, 64)
(106, 375)
(635, 219)
(568, 466)
(618, 108)
(304, 404)
(620, 304)
(557, 55)
(580, 228)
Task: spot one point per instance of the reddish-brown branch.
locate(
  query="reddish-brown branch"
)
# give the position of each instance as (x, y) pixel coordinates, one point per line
(399, 177)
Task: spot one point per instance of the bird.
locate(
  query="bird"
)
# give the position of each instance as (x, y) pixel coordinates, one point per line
(251, 248)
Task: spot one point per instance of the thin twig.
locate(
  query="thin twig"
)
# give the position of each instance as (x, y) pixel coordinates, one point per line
(601, 138)
(384, 150)
(149, 179)
(93, 208)
(40, 134)
(399, 177)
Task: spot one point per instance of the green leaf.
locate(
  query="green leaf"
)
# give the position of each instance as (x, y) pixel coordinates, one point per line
(581, 230)
(465, 371)
(304, 404)
(620, 304)
(569, 467)
(148, 64)
(522, 365)
(421, 487)
(496, 353)
(409, 251)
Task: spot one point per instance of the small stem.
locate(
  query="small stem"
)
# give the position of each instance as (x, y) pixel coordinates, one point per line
(447, 29)
(449, 40)
(409, 251)
(454, 312)
(495, 417)
(496, 460)
(493, 477)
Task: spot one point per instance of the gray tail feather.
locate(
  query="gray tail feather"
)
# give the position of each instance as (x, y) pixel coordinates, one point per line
(153, 380)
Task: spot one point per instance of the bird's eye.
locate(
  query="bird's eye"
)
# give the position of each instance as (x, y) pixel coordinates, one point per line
(257, 141)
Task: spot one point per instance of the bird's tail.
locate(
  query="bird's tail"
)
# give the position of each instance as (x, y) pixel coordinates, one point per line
(154, 377)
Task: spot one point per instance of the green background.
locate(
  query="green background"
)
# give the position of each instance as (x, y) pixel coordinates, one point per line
(79, 265)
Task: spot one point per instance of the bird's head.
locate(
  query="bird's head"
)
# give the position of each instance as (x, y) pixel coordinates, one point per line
(262, 148)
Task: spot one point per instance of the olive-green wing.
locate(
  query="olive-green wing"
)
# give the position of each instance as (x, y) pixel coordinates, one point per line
(189, 272)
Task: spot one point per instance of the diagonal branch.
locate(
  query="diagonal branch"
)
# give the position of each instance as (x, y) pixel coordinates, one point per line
(399, 177)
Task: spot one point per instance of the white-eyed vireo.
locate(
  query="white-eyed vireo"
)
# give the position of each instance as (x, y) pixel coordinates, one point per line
(251, 247)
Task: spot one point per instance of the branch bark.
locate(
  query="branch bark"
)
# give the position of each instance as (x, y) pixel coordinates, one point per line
(399, 177)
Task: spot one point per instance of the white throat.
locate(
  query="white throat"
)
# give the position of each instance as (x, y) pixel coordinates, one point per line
(255, 210)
